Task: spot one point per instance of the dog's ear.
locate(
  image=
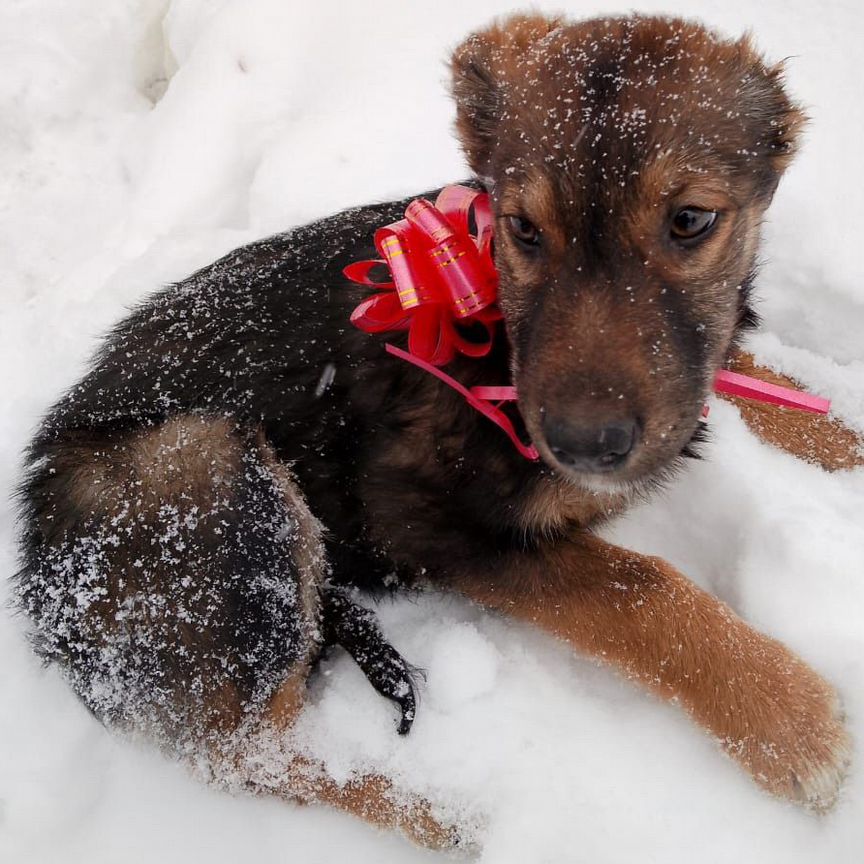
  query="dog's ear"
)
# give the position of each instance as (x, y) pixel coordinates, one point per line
(780, 121)
(481, 68)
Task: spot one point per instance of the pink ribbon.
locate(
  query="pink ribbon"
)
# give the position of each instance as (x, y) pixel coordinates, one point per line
(735, 384)
(478, 398)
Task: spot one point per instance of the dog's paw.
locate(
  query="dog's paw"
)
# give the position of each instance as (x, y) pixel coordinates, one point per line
(791, 736)
(421, 826)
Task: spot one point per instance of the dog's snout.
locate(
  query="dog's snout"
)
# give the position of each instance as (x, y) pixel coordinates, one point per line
(594, 448)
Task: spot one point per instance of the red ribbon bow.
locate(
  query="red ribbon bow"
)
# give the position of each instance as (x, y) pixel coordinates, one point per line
(442, 276)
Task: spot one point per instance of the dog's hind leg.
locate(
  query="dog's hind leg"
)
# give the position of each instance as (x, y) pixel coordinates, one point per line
(175, 573)
(814, 438)
(266, 764)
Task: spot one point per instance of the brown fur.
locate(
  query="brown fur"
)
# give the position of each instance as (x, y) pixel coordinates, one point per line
(184, 456)
(371, 798)
(824, 441)
(185, 459)
(770, 711)
(191, 458)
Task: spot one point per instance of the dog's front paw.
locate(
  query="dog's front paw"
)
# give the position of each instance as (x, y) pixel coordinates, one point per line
(787, 729)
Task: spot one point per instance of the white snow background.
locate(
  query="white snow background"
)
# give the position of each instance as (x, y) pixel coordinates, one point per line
(141, 139)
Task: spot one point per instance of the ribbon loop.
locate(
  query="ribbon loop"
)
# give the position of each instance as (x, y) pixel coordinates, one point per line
(411, 272)
(442, 276)
(359, 272)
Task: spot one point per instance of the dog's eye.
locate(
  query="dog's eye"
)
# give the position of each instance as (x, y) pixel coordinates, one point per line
(524, 230)
(692, 222)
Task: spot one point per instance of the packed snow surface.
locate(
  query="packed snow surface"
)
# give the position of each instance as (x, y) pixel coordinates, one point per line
(141, 139)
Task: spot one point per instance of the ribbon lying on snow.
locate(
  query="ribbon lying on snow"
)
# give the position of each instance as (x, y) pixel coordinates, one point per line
(443, 280)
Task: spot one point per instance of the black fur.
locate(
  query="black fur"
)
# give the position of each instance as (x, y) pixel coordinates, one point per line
(354, 628)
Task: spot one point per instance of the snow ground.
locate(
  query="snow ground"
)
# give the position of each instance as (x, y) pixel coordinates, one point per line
(278, 112)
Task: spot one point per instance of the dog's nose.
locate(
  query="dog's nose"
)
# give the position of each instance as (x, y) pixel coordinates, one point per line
(591, 448)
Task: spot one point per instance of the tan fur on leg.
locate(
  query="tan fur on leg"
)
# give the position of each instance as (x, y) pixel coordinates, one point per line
(373, 799)
(814, 438)
(772, 713)
(370, 797)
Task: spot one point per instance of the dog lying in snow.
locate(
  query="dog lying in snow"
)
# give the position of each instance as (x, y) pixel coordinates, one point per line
(238, 456)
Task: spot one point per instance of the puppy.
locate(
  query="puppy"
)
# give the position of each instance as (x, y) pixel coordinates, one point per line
(238, 454)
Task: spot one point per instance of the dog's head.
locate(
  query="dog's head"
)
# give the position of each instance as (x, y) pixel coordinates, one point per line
(630, 161)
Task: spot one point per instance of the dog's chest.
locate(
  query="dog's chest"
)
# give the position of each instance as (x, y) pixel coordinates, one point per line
(553, 505)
